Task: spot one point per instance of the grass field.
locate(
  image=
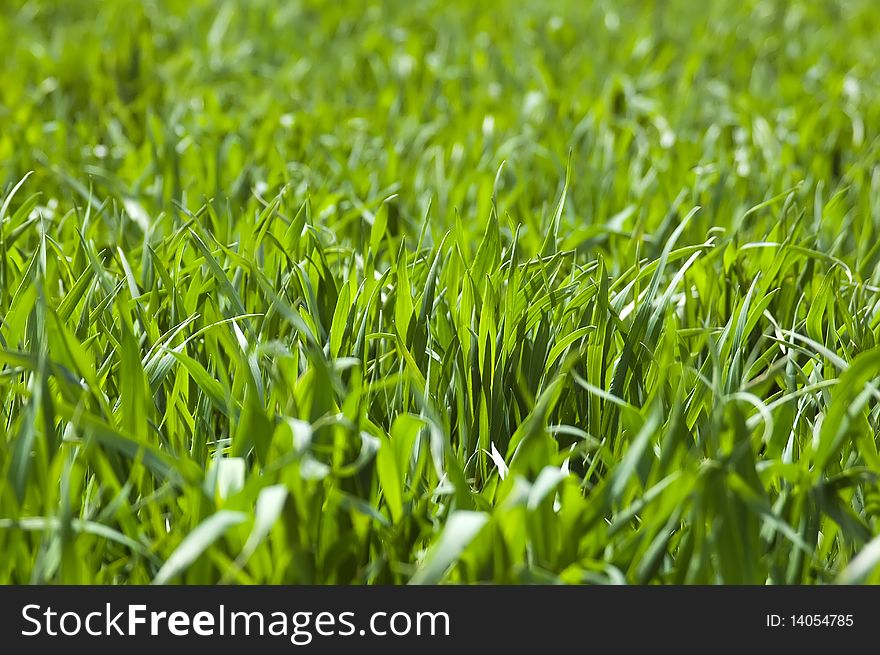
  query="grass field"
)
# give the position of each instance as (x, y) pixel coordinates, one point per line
(419, 292)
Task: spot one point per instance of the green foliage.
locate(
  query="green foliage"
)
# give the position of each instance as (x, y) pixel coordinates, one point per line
(439, 292)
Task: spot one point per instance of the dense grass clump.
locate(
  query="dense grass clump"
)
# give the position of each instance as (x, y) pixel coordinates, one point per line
(298, 292)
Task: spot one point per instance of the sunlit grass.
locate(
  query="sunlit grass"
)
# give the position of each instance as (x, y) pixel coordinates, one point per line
(439, 292)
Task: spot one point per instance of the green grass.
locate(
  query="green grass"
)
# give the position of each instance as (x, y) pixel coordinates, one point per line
(439, 291)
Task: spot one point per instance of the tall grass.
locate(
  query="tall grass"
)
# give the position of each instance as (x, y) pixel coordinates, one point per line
(439, 292)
